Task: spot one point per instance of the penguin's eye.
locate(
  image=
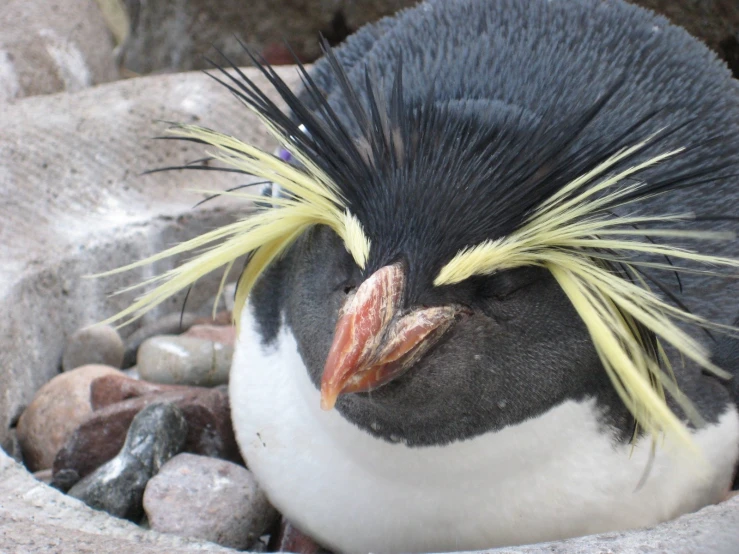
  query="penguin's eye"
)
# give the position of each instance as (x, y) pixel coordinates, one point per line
(344, 284)
(345, 280)
(346, 275)
(503, 285)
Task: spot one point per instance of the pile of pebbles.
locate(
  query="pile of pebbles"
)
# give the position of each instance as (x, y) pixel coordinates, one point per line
(141, 429)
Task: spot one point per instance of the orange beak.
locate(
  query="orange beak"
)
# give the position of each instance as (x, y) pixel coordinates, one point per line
(374, 343)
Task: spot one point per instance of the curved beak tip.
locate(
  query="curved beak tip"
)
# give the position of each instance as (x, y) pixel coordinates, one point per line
(328, 398)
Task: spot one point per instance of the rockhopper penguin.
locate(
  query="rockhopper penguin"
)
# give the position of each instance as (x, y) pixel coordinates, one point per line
(484, 288)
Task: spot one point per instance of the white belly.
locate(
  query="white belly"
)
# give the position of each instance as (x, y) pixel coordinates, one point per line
(549, 478)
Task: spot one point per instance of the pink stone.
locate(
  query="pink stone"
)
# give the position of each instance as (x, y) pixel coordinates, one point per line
(224, 334)
(55, 412)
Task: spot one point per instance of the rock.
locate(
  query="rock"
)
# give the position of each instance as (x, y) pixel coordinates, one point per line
(292, 539)
(97, 344)
(64, 480)
(224, 317)
(53, 45)
(12, 446)
(210, 499)
(101, 436)
(44, 476)
(55, 412)
(89, 211)
(170, 324)
(111, 389)
(156, 434)
(177, 360)
(222, 334)
(278, 53)
(156, 41)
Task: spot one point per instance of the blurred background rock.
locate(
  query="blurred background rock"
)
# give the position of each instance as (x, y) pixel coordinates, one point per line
(176, 34)
(54, 45)
(715, 22)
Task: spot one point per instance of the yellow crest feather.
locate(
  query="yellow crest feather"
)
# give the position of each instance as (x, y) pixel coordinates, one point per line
(312, 199)
(568, 235)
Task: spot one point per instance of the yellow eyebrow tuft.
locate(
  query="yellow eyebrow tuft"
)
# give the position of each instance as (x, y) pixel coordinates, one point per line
(573, 236)
(356, 241)
(311, 199)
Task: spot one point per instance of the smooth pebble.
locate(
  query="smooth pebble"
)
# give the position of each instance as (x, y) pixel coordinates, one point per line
(170, 324)
(292, 539)
(178, 360)
(97, 344)
(55, 412)
(205, 498)
(223, 334)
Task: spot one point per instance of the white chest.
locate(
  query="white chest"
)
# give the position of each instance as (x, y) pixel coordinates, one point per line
(552, 477)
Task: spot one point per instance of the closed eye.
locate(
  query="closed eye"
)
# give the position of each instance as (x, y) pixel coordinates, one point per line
(505, 284)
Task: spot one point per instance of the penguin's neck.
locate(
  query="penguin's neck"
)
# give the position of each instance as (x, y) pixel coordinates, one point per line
(554, 476)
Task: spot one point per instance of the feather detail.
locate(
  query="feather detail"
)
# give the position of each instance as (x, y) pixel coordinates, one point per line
(574, 235)
(311, 200)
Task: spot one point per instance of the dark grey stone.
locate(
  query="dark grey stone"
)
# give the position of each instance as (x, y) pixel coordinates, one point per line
(156, 434)
(65, 479)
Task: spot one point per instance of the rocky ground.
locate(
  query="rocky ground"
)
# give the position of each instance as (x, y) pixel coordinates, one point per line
(146, 414)
(151, 442)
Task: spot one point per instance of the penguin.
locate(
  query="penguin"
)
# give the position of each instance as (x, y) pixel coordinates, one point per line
(486, 294)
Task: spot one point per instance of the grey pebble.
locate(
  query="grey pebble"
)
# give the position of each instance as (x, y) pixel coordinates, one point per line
(178, 360)
(65, 479)
(206, 498)
(156, 434)
(98, 344)
(170, 324)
